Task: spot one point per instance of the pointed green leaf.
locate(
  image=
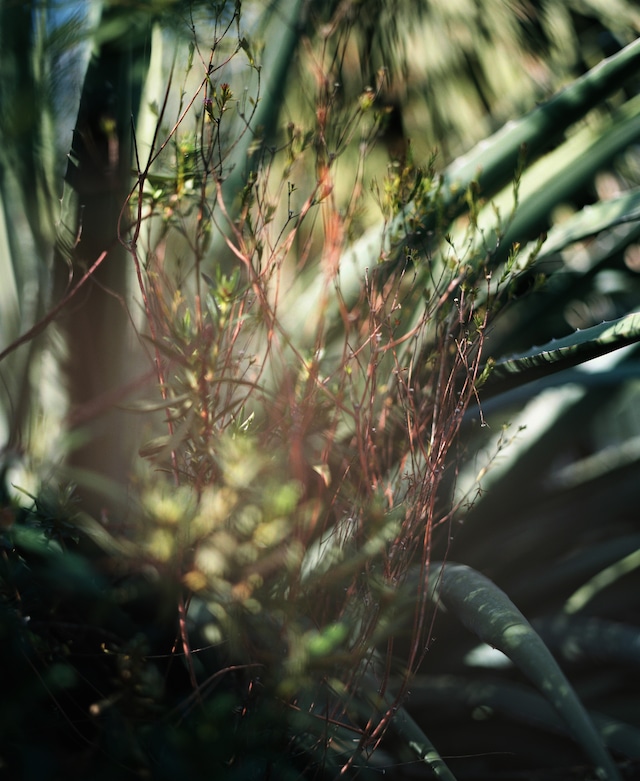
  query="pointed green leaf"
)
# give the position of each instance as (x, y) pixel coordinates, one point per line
(555, 179)
(564, 353)
(591, 220)
(492, 164)
(602, 580)
(420, 744)
(494, 161)
(408, 730)
(488, 612)
(515, 701)
(578, 637)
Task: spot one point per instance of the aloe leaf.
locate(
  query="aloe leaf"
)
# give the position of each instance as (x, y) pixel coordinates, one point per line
(554, 179)
(539, 428)
(488, 612)
(601, 465)
(408, 730)
(518, 703)
(575, 569)
(547, 520)
(602, 580)
(419, 743)
(542, 426)
(494, 161)
(517, 397)
(578, 637)
(592, 220)
(619, 736)
(564, 353)
(492, 164)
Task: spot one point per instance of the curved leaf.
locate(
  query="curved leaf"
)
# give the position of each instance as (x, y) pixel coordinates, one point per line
(609, 378)
(518, 703)
(418, 742)
(591, 220)
(574, 570)
(559, 177)
(563, 353)
(600, 581)
(492, 164)
(488, 612)
(556, 179)
(576, 637)
(409, 731)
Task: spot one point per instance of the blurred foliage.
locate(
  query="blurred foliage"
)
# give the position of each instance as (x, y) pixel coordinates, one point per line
(457, 71)
(382, 516)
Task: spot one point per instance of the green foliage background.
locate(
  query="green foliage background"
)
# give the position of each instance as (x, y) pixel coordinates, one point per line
(348, 360)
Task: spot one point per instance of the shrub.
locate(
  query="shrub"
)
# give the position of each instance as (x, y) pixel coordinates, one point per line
(278, 595)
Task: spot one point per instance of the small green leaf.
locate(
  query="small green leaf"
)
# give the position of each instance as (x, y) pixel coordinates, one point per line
(321, 644)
